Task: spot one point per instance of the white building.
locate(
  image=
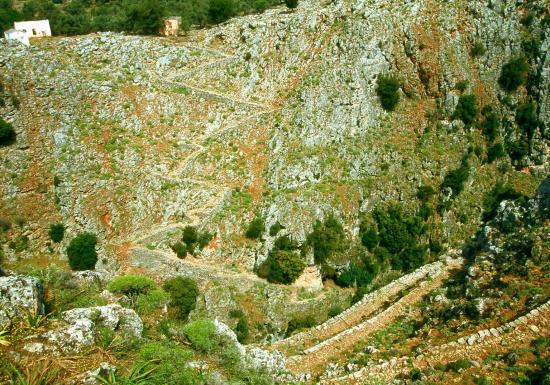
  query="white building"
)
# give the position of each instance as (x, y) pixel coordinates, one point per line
(15, 35)
(35, 28)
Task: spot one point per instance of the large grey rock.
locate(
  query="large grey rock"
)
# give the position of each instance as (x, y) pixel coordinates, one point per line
(69, 339)
(114, 317)
(19, 295)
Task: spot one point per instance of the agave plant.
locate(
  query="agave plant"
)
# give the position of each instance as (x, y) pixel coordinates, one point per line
(140, 374)
(41, 374)
(34, 320)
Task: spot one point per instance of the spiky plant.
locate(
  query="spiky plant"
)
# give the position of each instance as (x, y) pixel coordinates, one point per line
(140, 374)
(42, 374)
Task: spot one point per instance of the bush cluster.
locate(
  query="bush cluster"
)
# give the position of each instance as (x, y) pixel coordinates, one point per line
(241, 329)
(131, 285)
(191, 241)
(81, 252)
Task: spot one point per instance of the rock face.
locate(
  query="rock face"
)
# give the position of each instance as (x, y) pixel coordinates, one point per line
(19, 295)
(82, 329)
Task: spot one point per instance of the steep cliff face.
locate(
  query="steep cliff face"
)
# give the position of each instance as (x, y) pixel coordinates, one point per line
(273, 115)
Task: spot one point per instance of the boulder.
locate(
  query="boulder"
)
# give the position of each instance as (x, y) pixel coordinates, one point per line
(114, 317)
(19, 295)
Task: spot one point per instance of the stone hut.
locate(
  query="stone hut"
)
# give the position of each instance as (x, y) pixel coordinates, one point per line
(171, 26)
(15, 35)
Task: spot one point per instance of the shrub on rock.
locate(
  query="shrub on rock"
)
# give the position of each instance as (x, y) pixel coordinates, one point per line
(81, 252)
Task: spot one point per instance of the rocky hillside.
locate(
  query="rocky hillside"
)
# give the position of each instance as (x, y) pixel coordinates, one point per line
(270, 137)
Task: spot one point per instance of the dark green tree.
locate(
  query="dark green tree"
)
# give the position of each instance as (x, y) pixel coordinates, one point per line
(327, 239)
(221, 10)
(81, 252)
(255, 229)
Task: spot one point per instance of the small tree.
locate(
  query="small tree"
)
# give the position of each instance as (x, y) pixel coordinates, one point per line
(190, 235)
(81, 252)
(291, 3)
(57, 231)
(388, 92)
(180, 249)
(183, 293)
(7, 133)
(514, 74)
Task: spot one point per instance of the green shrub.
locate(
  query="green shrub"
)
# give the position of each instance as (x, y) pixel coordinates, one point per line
(455, 179)
(57, 231)
(241, 330)
(335, 310)
(153, 300)
(466, 109)
(202, 335)
(275, 228)
(388, 91)
(204, 239)
(131, 285)
(370, 239)
(300, 322)
(221, 10)
(425, 193)
(20, 243)
(327, 239)
(284, 243)
(526, 118)
(7, 133)
(461, 85)
(478, 49)
(172, 363)
(180, 249)
(183, 293)
(359, 294)
(291, 3)
(5, 224)
(514, 74)
(459, 365)
(518, 149)
(496, 151)
(491, 124)
(81, 252)
(255, 229)
(498, 193)
(190, 235)
(281, 266)
(357, 276)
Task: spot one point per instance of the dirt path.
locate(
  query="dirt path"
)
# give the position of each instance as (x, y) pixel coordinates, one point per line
(370, 304)
(314, 359)
(476, 346)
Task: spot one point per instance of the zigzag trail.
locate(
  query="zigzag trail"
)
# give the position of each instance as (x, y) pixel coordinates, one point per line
(317, 356)
(478, 345)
